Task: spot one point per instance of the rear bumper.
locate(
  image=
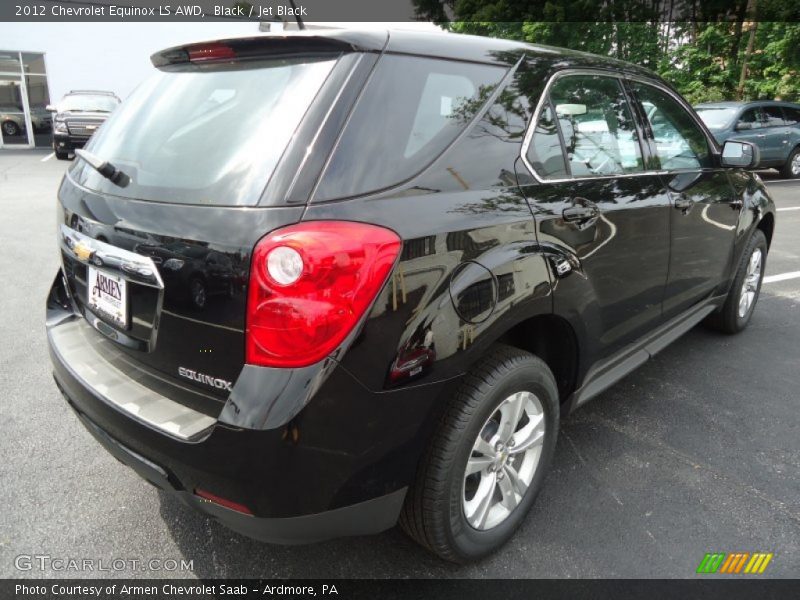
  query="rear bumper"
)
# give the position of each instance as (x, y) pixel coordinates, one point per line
(364, 518)
(339, 467)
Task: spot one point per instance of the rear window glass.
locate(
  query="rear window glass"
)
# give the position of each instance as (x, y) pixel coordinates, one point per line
(410, 111)
(206, 134)
(792, 115)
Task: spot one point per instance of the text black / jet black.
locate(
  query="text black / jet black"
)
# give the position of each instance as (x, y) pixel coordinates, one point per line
(359, 277)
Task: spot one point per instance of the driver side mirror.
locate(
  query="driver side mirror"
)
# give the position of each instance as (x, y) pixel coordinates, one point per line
(743, 126)
(51, 108)
(743, 155)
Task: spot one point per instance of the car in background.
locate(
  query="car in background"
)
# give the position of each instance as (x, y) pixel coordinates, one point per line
(77, 117)
(12, 120)
(772, 126)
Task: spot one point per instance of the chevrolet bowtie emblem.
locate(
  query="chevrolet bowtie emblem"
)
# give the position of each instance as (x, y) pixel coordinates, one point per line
(82, 251)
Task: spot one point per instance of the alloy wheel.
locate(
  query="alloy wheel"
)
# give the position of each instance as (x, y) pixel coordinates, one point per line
(503, 460)
(747, 297)
(796, 165)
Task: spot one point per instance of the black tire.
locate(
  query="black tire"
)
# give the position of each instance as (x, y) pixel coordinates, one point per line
(786, 170)
(11, 129)
(61, 155)
(727, 319)
(433, 513)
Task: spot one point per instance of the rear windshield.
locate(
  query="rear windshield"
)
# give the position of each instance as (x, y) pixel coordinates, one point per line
(88, 103)
(209, 134)
(410, 111)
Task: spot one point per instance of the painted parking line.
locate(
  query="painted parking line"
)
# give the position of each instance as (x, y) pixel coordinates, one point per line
(781, 277)
(48, 157)
(788, 208)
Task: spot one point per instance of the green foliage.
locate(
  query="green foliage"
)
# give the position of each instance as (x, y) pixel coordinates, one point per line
(705, 61)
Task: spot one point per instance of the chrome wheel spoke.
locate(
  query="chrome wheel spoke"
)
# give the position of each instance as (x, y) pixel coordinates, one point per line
(508, 492)
(482, 501)
(747, 295)
(479, 463)
(484, 447)
(519, 486)
(510, 414)
(504, 459)
(535, 431)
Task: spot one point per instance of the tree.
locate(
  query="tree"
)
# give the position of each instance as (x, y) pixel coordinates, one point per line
(709, 50)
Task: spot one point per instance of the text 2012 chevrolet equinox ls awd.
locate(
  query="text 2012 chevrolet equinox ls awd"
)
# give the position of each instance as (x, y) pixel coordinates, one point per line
(352, 278)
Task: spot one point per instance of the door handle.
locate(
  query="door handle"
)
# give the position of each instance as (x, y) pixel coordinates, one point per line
(579, 213)
(761, 135)
(683, 203)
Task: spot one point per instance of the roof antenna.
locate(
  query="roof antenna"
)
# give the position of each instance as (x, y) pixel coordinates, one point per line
(297, 18)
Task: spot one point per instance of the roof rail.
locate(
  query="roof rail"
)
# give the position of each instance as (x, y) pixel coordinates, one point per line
(104, 92)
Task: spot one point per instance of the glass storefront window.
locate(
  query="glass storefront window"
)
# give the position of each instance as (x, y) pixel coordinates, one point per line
(24, 120)
(33, 63)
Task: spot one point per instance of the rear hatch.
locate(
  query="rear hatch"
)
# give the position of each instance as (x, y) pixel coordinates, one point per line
(160, 266)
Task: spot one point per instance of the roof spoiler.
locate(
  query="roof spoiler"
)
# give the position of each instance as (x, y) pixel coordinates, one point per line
(245, 48)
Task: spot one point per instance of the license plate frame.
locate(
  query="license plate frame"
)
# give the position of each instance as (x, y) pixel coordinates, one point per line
(107, 295)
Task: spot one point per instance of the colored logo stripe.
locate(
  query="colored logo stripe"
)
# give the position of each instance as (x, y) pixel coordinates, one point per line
(758, 564)
(733, 563)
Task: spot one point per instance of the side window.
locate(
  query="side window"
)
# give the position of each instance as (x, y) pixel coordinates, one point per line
(545, 153)
(791, 115)
(596, 125)
(411, 109)
(773, 116)
(680, 142)
(750, 119)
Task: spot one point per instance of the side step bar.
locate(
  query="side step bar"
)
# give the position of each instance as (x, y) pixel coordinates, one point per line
(605, 374)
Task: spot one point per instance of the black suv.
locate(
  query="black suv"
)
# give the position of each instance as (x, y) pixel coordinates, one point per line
(439, 246)
(78, 115)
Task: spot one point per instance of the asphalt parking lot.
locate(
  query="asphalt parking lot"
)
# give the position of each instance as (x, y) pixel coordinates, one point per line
(698, 451)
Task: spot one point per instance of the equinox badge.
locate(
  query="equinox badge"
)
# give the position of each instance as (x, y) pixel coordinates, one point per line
(221, 384)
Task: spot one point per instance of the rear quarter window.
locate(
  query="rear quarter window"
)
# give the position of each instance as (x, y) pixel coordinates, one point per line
(411, 109)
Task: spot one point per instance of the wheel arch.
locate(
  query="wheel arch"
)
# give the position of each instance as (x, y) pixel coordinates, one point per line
(767, 226)
(553, 339)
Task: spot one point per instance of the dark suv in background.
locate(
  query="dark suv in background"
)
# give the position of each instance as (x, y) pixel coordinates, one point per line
(772, 126)
(440, 245)
(77, 117)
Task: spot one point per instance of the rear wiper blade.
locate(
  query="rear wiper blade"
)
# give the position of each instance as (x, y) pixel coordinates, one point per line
(105, 168)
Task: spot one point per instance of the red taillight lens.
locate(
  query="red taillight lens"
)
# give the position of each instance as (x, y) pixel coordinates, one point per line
(204, 52)
(305, 299)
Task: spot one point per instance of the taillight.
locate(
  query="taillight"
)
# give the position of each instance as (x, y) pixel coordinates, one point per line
(310, 284)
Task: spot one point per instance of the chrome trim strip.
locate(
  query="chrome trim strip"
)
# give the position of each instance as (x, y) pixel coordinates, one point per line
(89, 251)
(118, 390)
